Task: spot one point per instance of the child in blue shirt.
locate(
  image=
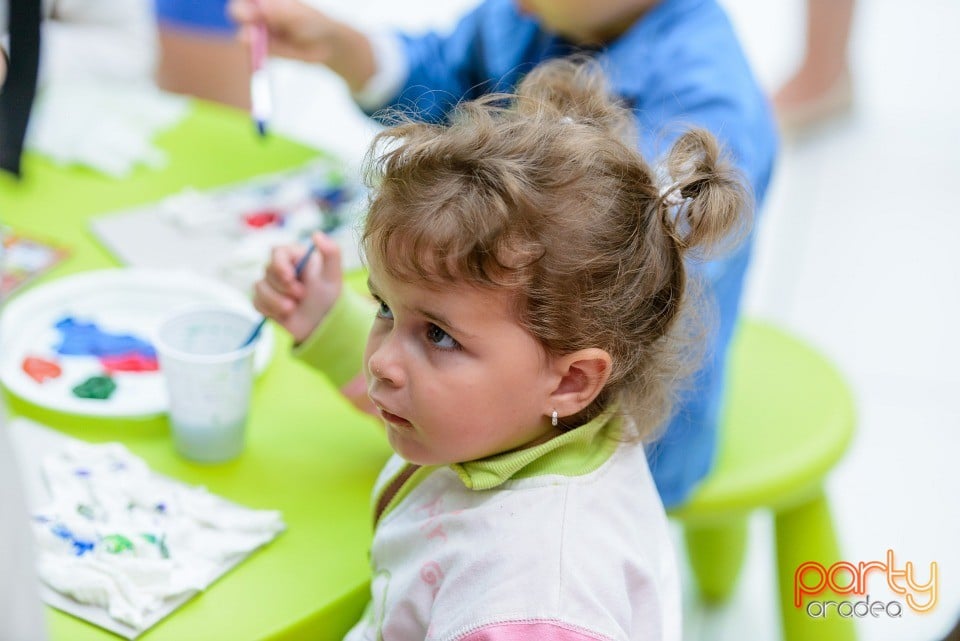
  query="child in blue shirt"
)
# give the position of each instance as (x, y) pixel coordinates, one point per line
(674, 63)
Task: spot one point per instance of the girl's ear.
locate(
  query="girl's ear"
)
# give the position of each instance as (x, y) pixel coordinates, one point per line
(583, 374)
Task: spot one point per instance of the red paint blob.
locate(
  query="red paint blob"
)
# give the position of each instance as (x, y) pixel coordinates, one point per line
(40, 369)
(129, 362)
(264, 218)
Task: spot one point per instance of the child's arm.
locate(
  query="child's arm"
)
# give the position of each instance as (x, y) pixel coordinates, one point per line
(336, 346)
(438, 70)
(329, 323)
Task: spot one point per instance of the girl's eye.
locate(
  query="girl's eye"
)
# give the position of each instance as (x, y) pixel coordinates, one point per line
(384, 311)
(440, 338)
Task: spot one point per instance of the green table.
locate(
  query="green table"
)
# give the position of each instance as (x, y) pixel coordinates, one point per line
(309, 453)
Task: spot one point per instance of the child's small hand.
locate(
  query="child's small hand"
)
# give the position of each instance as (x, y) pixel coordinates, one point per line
(295, 29)
(300, 304)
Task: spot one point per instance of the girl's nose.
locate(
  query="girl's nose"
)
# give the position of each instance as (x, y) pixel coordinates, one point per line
(384, 365)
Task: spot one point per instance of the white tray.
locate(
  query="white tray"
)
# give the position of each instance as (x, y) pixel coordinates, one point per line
(130, 301)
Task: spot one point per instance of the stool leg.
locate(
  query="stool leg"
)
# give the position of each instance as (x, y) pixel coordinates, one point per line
(716, 554)
(805, 533)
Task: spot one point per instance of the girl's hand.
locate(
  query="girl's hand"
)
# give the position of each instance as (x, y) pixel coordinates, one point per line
(295, 30)
(299, 305)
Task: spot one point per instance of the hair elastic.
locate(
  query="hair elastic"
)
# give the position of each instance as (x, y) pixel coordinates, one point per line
(672, 197)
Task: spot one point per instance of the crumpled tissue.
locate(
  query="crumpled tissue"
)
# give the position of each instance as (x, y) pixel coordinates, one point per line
(118, 536)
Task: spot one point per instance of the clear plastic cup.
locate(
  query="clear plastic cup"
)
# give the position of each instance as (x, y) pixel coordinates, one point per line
(209, 378)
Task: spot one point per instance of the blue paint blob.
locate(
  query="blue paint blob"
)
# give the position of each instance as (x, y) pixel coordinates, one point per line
(331, 197)
(86, 339)
(80, 546)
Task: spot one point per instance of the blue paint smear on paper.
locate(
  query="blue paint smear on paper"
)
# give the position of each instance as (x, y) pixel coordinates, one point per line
(80, 546)
(86, 339)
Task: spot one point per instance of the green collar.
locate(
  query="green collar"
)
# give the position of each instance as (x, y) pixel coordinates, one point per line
(574, 453)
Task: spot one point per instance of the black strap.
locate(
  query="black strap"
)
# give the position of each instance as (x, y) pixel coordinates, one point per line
(16, 95)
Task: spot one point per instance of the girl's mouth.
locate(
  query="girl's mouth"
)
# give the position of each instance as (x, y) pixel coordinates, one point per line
(399, 421)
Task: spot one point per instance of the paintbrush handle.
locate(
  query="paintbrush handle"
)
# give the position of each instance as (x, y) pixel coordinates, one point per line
(296, 273)
(260, 99)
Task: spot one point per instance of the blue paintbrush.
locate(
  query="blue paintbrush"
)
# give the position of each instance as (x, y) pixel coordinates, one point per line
(299, 269)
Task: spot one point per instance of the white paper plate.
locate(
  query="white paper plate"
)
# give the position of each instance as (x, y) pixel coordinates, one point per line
(131, 301)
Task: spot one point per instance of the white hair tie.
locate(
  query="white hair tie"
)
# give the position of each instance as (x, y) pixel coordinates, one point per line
(672, 197)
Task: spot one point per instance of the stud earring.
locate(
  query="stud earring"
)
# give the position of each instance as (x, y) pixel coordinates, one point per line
(553, 418)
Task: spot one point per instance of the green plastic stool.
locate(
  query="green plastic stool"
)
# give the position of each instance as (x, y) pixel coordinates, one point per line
(788, 419)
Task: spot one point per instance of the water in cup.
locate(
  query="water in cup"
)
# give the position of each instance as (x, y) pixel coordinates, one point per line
(209, 380)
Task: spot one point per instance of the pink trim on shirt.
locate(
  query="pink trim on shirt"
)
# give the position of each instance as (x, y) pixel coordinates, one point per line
(537, 630)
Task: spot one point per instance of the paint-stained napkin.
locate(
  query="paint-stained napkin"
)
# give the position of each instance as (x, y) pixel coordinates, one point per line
(120, 545)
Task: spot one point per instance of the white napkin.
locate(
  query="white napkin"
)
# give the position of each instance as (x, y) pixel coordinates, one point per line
(118, 536)
(105, 126)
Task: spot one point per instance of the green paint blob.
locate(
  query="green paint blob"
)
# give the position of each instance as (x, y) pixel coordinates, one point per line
(116, 543)
(95, 387)
(160, 542)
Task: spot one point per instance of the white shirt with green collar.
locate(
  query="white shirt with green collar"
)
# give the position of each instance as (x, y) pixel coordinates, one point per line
(566, 540)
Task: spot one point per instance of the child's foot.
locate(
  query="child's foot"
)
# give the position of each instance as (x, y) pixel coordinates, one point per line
(809, 99)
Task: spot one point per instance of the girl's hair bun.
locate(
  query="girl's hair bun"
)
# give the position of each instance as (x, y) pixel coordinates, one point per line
(706, 208)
